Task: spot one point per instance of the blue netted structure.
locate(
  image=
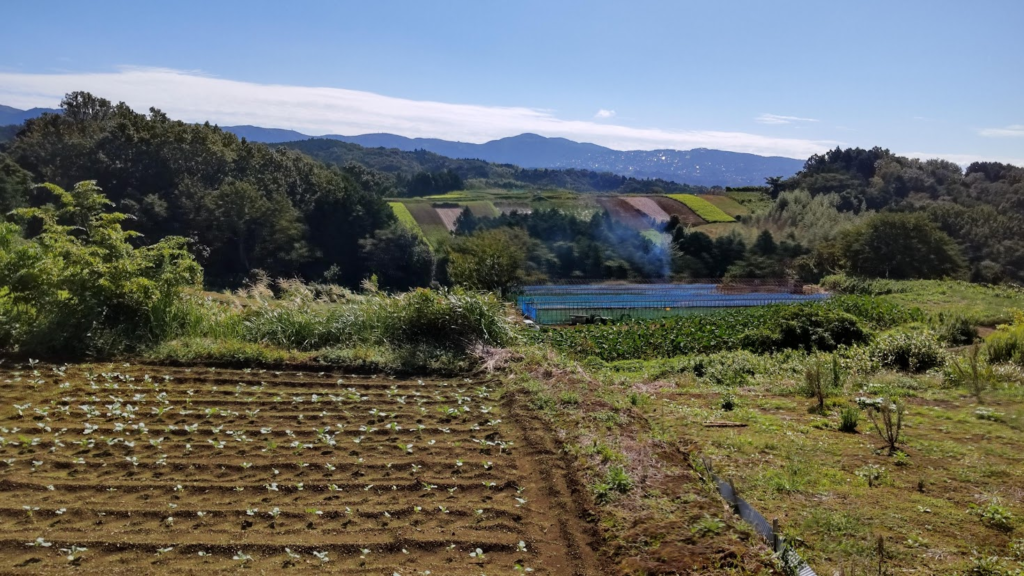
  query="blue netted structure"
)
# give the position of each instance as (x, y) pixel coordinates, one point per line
(585, 303)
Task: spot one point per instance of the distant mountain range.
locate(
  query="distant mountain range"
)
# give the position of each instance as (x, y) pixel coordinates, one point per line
(700, 166)
(10, 115)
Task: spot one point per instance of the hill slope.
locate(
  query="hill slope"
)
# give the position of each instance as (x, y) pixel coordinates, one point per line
(9, 115)
(403, 165)
(700, 166)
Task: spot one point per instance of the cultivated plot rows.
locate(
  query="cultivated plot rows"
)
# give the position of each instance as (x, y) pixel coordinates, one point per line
(132, 469)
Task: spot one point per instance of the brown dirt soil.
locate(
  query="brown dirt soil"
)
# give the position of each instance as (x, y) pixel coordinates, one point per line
(449, 216)
(649, 207)
(181, 470)
(625, 213)
(677, 208)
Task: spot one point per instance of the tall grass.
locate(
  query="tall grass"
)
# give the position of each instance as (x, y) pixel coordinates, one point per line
(1007, 343)
(296, 316)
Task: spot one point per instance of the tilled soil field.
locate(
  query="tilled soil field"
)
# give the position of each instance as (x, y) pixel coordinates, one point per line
(146, 469)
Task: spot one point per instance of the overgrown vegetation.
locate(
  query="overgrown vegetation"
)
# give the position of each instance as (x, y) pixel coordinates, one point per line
(79, 286)
(836, 323)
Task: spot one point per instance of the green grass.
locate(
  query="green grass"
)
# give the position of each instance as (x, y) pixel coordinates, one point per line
(405, 217)
(706, 210)
(756, 202)
(983, 305)
(727, 205)
(658, 238)
(429, 221)
(481, 208)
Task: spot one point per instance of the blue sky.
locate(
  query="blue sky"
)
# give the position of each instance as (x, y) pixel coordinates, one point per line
(929, 78)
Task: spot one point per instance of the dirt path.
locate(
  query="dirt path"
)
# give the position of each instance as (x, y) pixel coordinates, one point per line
(186, 471)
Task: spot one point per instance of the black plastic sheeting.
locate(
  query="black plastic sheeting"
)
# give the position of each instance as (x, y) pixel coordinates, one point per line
(790, 559)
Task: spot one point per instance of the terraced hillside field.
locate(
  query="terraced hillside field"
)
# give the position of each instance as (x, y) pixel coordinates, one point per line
(117, 469)
(727, 205)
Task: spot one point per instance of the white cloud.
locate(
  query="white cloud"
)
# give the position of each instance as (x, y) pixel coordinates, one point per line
(964, 159)
(195, 97)
(1014, 130)
(602, 113)
(777, 119)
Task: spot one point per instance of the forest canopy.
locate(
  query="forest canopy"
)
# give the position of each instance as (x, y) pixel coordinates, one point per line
(243, 205)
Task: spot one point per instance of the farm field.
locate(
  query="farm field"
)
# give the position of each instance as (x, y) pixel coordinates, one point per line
(678, 209)
(648, 207)
(727, 205)
(449, 216)
(128, 469)
(405, 217)
(429, 220)
(706, 210)
(714, 214)
(624, 212)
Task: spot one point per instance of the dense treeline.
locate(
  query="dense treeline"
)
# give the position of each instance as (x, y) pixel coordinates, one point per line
(981, 209)
(245, 205)
(571, 247)
(409, 171)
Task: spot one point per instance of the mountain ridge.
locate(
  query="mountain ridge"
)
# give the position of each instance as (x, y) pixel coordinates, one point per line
(698, 166)
(10, 115)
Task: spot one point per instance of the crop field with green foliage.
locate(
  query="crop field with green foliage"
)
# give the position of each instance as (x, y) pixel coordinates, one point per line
(430, 222)
(709, 212)
(405, 217)
(727, 205)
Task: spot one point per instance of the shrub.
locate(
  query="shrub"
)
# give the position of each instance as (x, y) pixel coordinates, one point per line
(888, 422)
(849, 418)
(638, 399)
(970, 372)
(1006, 344)
(819, 383)
(619, 480)
(616, 481)
(728, 402)
(707, 526)
(80, 286)
(873, 474)
(442, 319)
(845, 284)
(994, 515)
(805, 328)
(913, 350)
(879, 313)
(956, 330)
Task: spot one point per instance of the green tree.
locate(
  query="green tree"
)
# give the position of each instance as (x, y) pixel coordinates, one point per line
(489, 260)
(251, 230)
(183, 179)
(400, 258)
(15, 185)
(900, 246)
(765, 244)
(80, 286)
